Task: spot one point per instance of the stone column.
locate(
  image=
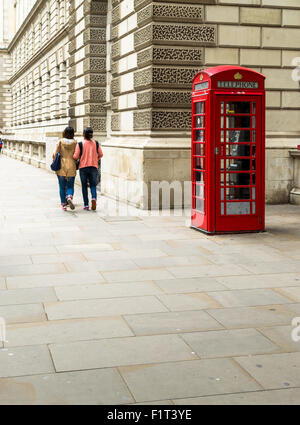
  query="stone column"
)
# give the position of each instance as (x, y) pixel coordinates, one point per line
(45, 91)
(62, 90)
(87, 70)
(38, 95)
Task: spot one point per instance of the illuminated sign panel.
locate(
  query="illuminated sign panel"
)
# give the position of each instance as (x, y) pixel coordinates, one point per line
(201, 86)
(237, 85)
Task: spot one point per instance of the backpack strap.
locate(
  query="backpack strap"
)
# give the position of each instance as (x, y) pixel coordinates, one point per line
(80, 147)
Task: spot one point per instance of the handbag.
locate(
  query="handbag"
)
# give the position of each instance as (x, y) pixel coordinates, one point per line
(56, 164)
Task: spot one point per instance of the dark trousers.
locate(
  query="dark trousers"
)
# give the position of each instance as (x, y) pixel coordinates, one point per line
(88, 175)
(66, 187)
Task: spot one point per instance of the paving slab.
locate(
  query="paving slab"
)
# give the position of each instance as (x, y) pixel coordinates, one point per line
(2, 283)
(110, 290)
(173, 322)
(292, 293)
(247, 317)
(282, 336)
(58, 258)
(64, 279)
(207, 270)
(279, 266)
(84, 247)
(93, 387)
(200, 284)
(119, 352)
(186, 379)
(27, 296)
(248, 297)
(21, 361)
(105, 307)
(6, 260)
(273, 370)
(229, 343)
(287, 396)
(63, 331)
(31, 269)
(22, 313)
(136, 275)
(102, 265)
(260, 281)
(182, 302)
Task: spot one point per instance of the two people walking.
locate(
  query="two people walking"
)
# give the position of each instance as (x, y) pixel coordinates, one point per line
(87, 153)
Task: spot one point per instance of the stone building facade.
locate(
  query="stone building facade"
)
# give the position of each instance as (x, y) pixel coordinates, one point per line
(125, 68)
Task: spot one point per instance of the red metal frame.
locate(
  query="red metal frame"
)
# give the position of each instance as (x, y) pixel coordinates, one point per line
(237, 213)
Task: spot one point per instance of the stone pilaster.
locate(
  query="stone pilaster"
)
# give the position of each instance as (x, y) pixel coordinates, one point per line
(157, 48)
(87, 71)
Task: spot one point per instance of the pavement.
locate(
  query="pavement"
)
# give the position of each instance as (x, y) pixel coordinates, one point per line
(106, 308)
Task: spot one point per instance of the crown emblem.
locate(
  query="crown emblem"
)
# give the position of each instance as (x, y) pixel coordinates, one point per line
(201, 77)
(238, 76)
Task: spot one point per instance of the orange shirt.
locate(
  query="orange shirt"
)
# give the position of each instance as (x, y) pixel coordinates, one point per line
(90, 156)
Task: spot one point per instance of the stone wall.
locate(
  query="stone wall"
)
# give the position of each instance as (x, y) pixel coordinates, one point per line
(87, 72)
(265, 35)
(158, 46)
(39, 53)
(5, 91)
(125, 67)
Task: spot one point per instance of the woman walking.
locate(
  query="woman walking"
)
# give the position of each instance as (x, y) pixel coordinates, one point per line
(90, 153)
(67, 173)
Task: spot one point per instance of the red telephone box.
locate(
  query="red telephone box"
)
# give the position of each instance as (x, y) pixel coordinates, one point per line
(228, 150)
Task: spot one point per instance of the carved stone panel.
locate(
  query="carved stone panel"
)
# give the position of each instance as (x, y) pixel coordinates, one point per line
(97, 21)
(162, 120)
(94, 109)
(142, 120)
(115, 122)
(164, 76)
(95, 50)
(115, 50)
(94, 35)
(95, 7)
(115, 86)
(116, 14)
(172, 98)
(94, 95)
(170, 55)
(171, 120)
(94, 65)
(95, 80)
(170, 12)
(138, 4)
(175, 34)
(97, 124)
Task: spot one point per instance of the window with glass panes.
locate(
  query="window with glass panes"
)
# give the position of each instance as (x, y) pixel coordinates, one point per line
(238, 158)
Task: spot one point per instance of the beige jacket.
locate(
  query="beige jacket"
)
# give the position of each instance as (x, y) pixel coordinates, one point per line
(66, 147)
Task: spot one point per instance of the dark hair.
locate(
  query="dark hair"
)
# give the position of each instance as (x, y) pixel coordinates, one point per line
(88, 133)
(68, 133)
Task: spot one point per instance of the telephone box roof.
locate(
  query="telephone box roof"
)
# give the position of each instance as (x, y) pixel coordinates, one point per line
(224, 68)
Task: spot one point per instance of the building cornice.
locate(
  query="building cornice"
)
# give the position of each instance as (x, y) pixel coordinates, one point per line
(27, 21)
(48, 46)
